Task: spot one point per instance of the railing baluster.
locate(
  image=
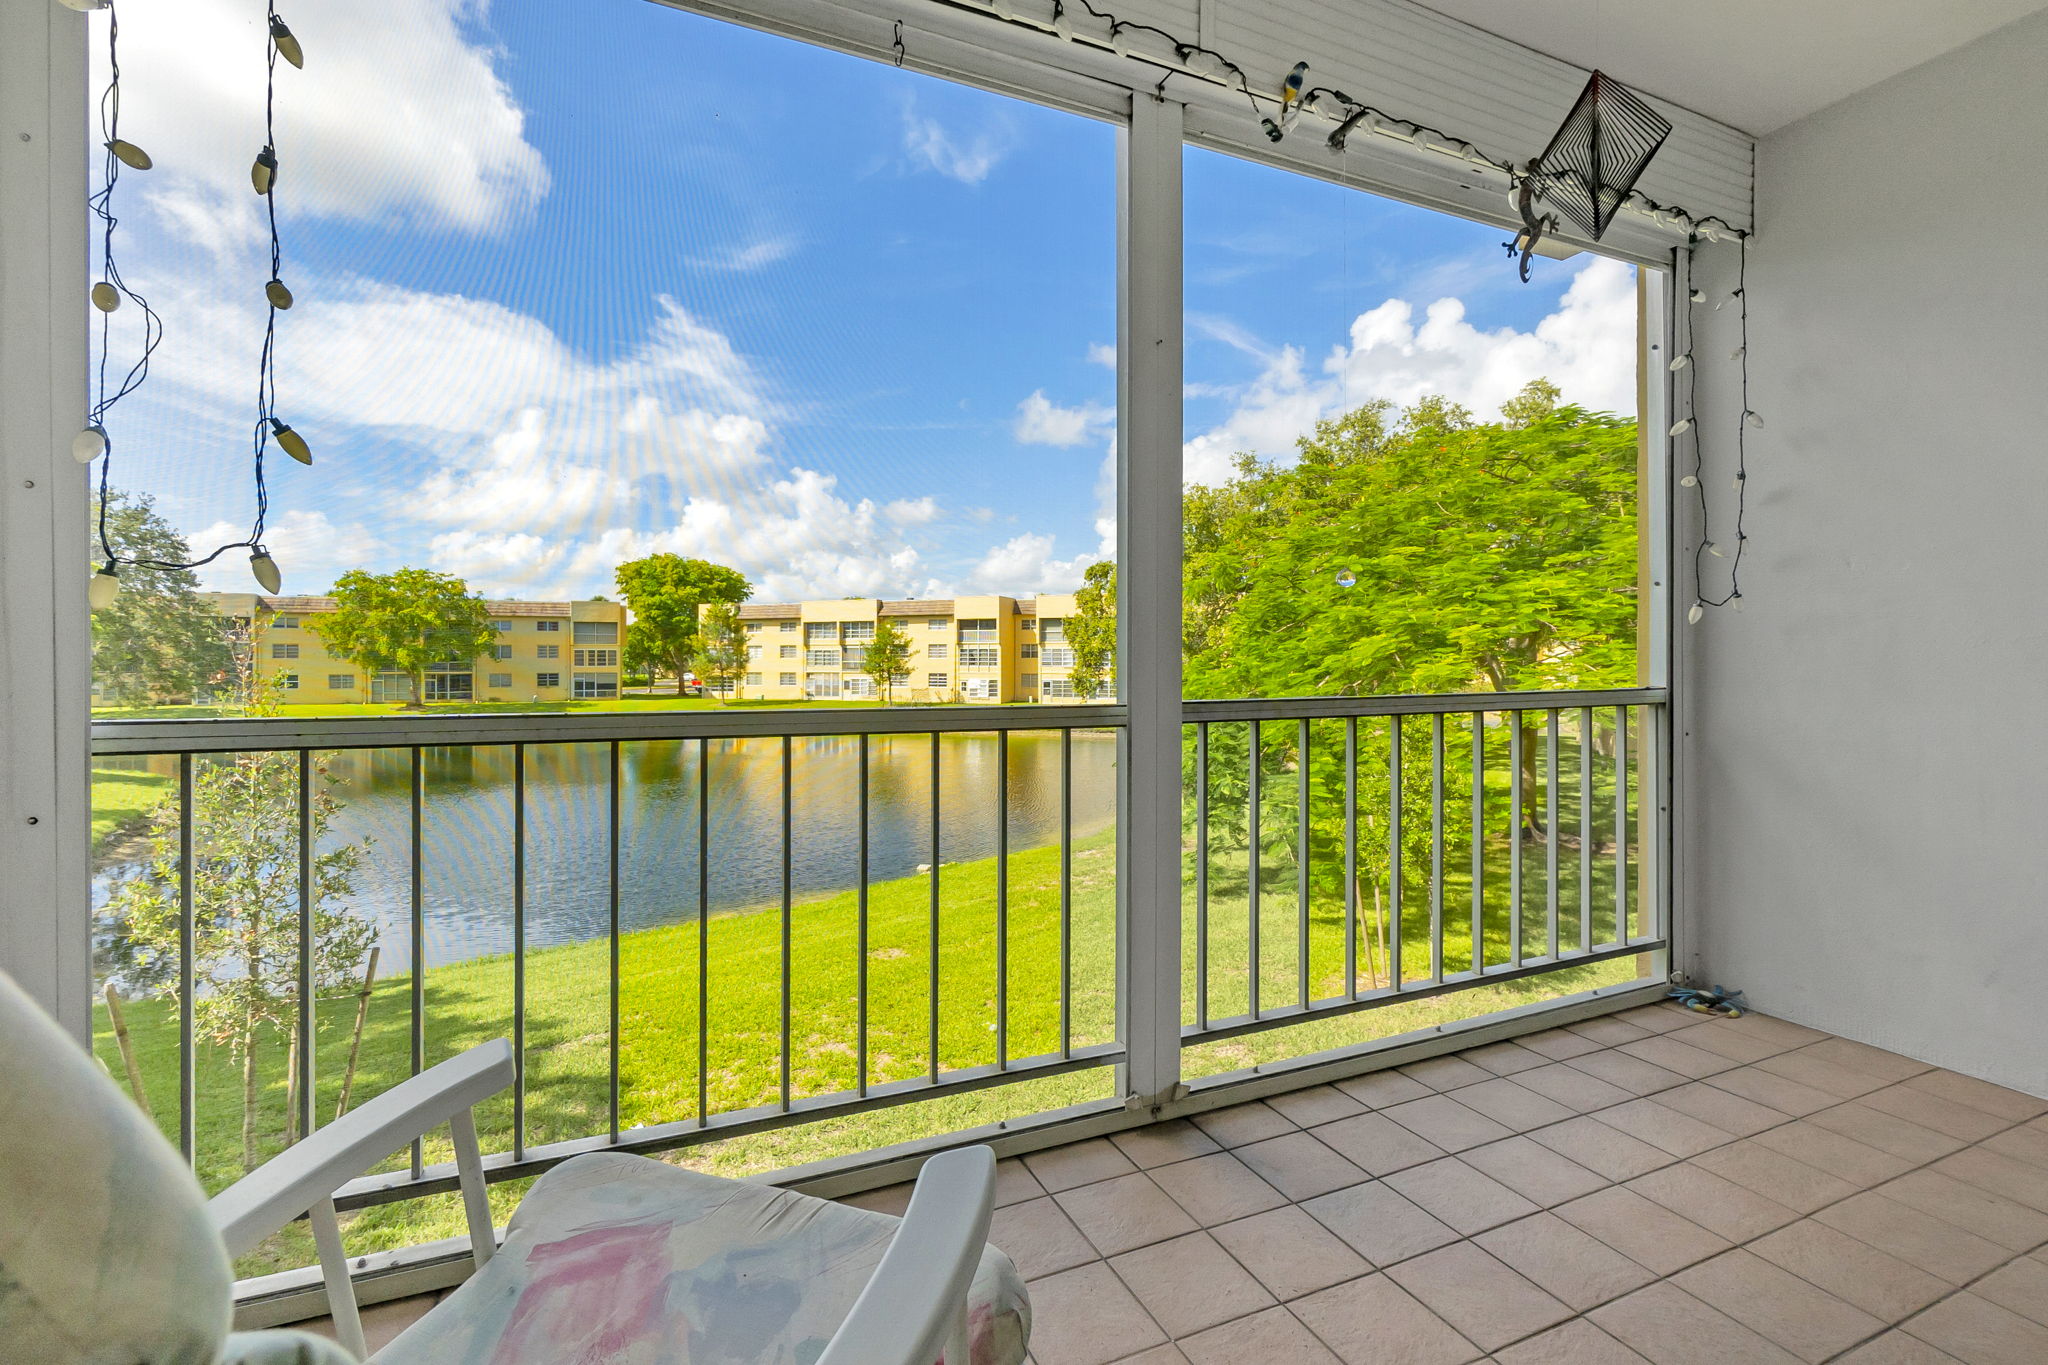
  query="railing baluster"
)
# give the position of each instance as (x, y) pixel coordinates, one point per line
(188, 986)
(703, 932)
(1003, 899)
(418, 908)
(1351, 856)
(612, 900)
(1301, 853)
(1201, 873)
(1620, 824)
(860, 1045)
(1252, 885)
(1478, 842)
(1067, 892)
(1550, 832)
(518, 952)
(1393, 919)
(1436, 846)
(1585, 829)
(788, 838)
(932, 1026)
(1515, 837)
(303, 1124)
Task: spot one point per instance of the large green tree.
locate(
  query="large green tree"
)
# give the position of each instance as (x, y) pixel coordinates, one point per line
(157, 640)
(888, 658)
(403, 622)
(1091, 630)
(666, 593)
(720, 652)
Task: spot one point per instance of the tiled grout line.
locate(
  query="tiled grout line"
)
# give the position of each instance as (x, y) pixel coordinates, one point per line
(1675, 1160)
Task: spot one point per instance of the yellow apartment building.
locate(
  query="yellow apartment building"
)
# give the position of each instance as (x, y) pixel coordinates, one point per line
(963, 649)
(546, 651)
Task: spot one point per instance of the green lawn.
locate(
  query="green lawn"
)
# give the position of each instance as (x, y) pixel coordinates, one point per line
(470, 708)
(121, 798)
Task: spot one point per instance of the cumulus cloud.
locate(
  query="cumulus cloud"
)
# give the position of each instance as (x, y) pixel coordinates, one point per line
(400, 114)
(310, 549)
(1102, 354)
(1587, 347)
(1042, 422)
(1025, 565)
(932, 146)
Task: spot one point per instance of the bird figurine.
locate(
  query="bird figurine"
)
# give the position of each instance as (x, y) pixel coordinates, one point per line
(1290, 103)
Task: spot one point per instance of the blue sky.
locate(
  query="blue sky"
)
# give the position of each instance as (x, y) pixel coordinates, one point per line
(580, 283)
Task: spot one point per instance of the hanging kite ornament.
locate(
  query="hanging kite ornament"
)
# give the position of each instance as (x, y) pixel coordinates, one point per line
(1591, 165)
(1290, 103)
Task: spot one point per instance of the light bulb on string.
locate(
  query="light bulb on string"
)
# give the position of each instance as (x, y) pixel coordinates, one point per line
(1346, 578)
(1681, 426)
(263, 171)
(1753, 420)
(1738, 353)
(1062, 26)
(130, 155)
(1692, 617)
(1715, 550)
(280, 297)
(291, 442)
(105, 297)
(103, 587)
(90, 444)
(265, 569)
(1680, 362)
(287, 44)
(83, 6)
(1690, 481)
(1735, 601)
(1698, 296)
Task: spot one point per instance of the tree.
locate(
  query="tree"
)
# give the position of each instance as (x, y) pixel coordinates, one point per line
(245, 906)
(720, 652)
(1091, 630)
(157, 639)
(666, 593)
(404, 621)
(888, 658)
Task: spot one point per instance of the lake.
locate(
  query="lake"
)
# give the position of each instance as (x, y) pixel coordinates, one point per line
(467, 865)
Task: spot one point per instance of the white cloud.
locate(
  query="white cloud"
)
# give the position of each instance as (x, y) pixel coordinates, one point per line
(400, 114)
(758, 254)
(310, 550)
(1587, 347)
(1042, 422)
(932, 146)
(1103, 355)
(1024, 565)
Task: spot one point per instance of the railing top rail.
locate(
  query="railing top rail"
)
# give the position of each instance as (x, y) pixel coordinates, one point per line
(242, 734)
(1446, 703)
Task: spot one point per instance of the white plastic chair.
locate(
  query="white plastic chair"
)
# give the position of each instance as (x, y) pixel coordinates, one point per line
(91, 1180)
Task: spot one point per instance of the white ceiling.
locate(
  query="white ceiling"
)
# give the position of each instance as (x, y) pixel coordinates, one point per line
(1756, 65)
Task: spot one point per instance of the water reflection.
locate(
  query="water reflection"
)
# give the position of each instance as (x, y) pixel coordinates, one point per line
(467, 872)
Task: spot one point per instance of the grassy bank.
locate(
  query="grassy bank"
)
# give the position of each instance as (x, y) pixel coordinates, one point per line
(567, 1025)
(121, 799)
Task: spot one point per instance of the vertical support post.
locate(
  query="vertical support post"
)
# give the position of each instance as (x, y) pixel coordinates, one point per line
(303, 1061)
(788, 838)
(1515, 797)
(469, 1175)
(932, 1006)
(1002, 899)
(188, 985)
(860, 1045)
(1351, 859)
(703, 932)
(341, 1290)
(1478, 842)
(1436, 846)
(1067, 891)
(1394, 853)
(1620, 824)
(1585, 829)
(1301, 852)
(518, 952)
(612, 904)
(1148, 616)
(1254, 824)
(418, 907)
(1202, 874)
(1550, 832)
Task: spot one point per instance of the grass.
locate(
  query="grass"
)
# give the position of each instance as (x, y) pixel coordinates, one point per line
(122, 799)
(472, 708)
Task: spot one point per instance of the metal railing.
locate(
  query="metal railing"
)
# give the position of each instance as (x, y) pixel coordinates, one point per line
(190, 744)
(1561, 819)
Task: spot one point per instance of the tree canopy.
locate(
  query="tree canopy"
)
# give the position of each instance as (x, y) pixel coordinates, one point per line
(665, 593)
(404, 621)
(1091, 630)
(888, 657)
(720, 652)
(157, 640)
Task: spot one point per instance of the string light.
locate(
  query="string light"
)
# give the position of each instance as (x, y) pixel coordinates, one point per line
(1751, 421)
(109, 293)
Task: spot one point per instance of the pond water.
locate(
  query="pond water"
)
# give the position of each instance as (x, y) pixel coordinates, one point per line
(468, 827)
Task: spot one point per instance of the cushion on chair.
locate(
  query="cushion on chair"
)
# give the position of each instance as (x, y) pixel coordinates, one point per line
(107, 1256)
(627, 1261)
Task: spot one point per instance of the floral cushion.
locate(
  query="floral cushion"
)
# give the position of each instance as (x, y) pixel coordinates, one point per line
(622, 1260)
(107, 1256)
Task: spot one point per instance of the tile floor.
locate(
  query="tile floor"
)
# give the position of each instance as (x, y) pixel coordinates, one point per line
(1647, 1186)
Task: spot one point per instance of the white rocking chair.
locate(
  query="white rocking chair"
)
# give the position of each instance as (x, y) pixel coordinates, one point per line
(110, 1253)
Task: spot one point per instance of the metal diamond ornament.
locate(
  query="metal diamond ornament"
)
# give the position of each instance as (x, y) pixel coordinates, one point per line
(1598, 153)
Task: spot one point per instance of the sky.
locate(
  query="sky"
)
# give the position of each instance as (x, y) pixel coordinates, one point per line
(582, 283)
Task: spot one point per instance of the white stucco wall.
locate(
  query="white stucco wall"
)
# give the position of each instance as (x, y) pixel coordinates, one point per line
(1867, 768)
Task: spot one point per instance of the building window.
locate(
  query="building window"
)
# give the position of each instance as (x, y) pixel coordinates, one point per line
(753, 654)
(547, 680)
(979, 632)
(821, 684)
(594, 685)
(1028, 623)
(596, 658)
(390, 687)
(1057, 658)
(501, 679)
(753, 679)
(822, 658)
(821, 633)
(980, 656)
(1027, 651)
(341, 682)
(937, 680)
(788, 627)
(284, 651)
(1053, 630)
(501, 651)
(982, 689)
(1028, 682)
(547, 651)
(935, 651)
(555, 626)
(444, 683)
(284, 623)
(1059, 687)
(787, 652)
(852, 659)
(857, 687)
(936, 623)
(753, 627)
(289, 681)
(501, 626)
(857, 630)
(785, 680)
